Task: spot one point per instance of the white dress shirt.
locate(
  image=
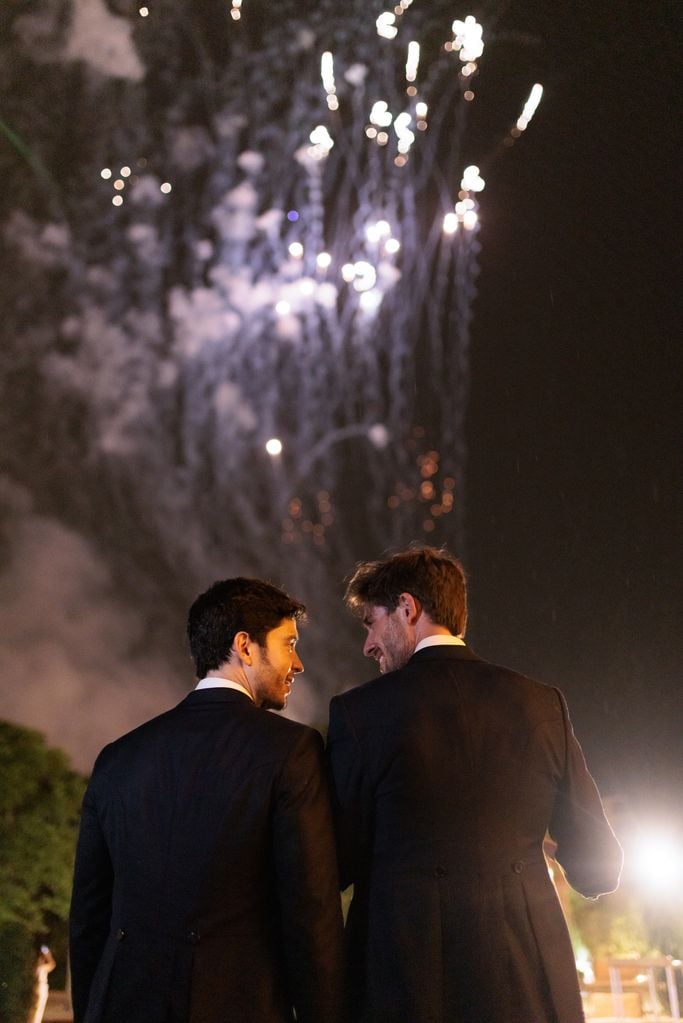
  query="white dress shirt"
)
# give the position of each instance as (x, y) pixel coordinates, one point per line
(439, 641)
(223, 683)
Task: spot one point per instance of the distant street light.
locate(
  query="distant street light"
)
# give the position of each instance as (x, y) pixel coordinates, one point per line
(657, 862)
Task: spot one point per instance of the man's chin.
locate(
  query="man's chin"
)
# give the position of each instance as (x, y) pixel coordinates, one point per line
(394, 664)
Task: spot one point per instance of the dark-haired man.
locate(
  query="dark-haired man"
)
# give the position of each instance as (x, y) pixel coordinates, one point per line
(205, 886)
(447, 773)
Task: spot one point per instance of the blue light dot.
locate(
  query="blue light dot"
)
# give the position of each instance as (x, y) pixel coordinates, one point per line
(292, 216)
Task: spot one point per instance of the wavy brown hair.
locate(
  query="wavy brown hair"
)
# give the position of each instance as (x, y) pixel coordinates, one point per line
(431, 575)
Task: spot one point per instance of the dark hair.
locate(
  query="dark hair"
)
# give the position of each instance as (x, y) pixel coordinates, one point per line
(434, 577)
(232, 606)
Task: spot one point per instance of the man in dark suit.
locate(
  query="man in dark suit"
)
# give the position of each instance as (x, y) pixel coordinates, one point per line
(447, 773)
(205, 886)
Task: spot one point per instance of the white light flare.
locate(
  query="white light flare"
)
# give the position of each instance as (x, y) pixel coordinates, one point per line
(472, 181)
(370, 301)
(365, 275)
(466, 213)
(470, 220)
(274, 447)
(386, 25)
(327, 71)
(320, 136)
(657, 862)
(380, 114)
(530, 107)
(450, 223)
(405, 136)
(322, 142)
(375, 232)
(412, 61)
(468, 39)
(327, 75)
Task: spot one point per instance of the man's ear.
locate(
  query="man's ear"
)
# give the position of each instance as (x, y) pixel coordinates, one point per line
(410, 608)
(242, 647)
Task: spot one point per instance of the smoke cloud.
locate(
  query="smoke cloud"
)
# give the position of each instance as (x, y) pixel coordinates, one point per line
(73, 660)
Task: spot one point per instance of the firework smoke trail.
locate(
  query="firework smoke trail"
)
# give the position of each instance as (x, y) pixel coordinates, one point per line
(246, 342)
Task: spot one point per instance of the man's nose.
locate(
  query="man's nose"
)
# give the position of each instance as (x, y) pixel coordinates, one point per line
(369, 647)
(297, 665)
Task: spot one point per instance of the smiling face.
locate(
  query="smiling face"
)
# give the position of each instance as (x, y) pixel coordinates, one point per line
(274, 666)
(390, 639)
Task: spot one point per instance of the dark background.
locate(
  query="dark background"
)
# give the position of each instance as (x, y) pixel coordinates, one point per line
(573, 428)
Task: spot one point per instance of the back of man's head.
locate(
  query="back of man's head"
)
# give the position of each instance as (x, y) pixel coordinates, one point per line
(433, 576)
(232, 606)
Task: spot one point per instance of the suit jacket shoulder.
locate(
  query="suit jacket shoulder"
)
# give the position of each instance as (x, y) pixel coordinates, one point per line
(447, 666)
(216, 709)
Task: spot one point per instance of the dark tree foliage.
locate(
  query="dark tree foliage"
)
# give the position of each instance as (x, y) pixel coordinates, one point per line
(40, 797)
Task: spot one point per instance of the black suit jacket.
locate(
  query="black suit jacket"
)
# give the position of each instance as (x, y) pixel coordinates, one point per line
(446, 776)
(205, 885)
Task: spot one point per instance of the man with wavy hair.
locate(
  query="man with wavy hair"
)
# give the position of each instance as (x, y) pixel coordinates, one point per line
(447, 774)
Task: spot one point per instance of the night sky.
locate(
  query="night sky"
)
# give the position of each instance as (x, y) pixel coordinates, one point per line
(572, 489)
(574, 424)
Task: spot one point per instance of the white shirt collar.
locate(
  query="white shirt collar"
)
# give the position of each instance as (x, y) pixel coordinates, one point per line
(223, 683)
(439, 641)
